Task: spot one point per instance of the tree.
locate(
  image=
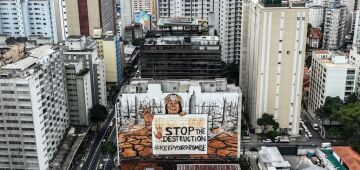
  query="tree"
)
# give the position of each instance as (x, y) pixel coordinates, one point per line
(98, 113)
(244, 162)
(349, 117)
(114, 90)
(266, 121)
(352, 98)
(137, 41)
(331, 105)
(108, 147)
(231, 72)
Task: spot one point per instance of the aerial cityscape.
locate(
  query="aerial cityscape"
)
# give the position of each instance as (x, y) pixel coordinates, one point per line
(179, 84)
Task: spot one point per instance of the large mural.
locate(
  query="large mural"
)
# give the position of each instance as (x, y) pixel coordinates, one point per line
(151, 129)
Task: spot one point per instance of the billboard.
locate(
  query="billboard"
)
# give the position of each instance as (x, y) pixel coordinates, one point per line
(143, 18)
(175, 134)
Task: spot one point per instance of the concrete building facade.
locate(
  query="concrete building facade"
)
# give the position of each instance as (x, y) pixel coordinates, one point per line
(33, 109)
(81, 49)
(22, 18)
(180, 57)
(276, 54)
(334, 27)
(81, 17)
(331, 75)
(225, 15)
(316, 16)
(108, 47)
(79, 94)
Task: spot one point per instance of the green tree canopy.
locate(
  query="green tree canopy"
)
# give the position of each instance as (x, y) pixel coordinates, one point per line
(231, 72)
(98, 113)
(266, 121)
(244, 162)
(108, 147)
(349, 117)
(137, 41)
(331, 105)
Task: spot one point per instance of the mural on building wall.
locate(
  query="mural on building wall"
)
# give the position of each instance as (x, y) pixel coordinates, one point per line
(145, 124)
(143, 18)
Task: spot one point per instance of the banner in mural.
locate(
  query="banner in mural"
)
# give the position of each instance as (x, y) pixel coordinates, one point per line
(175, 134)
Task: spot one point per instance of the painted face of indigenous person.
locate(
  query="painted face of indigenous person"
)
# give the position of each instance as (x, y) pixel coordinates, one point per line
(173, 107)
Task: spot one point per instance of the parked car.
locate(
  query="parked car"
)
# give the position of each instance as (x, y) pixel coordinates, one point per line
(254, 149)
(266, 141)
(315, 160)
(101, 166)
(326, 145)
(315, 126)
(309, 134)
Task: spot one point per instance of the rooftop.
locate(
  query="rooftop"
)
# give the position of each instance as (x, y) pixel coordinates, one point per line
(177, 21)
(350, 157)
(208, 166)
(334, 59)
(183, 40)
(315, 33)
(181, 86)
(271, 157)
(34, 56)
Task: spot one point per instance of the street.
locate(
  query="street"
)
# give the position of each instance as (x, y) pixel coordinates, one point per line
(107, 160)
(93, 156)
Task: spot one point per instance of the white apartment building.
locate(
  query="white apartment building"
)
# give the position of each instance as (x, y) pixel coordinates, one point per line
(226, 16)
(81, 49)
(335, 27)
(22, 18)
(356, 39)
(354, 58)
(79, 92)
(276, 54)
(316, 16)
(331, 75)
(33, 109)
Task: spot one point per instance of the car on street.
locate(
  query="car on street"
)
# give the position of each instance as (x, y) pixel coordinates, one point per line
(254, 149)
(266, 141)
(315, 126)
(101, 166)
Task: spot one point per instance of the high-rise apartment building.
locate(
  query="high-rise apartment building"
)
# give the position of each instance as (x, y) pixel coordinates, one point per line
(356, 39)
(225, 14)
(22, 18)
(33, 109)
(276, 54)
(79, 92)
(81, 17)
(354, 58)
(81, 49)
(108, 47)
(334, 26)
(180, 57)
(316, 16)
(331, 75)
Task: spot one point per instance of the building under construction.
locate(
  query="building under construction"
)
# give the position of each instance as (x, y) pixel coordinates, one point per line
(181, 57)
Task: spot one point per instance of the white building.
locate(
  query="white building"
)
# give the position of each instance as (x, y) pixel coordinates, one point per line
(331, 75)
(271, 159)
(354, 58)
(33, 109)
(356, 40)
(213, 97)
(275, 60)
(335, 27)
(81, 49)
(22, 18)
(224, 14)
(79, 92)
(316, 16)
